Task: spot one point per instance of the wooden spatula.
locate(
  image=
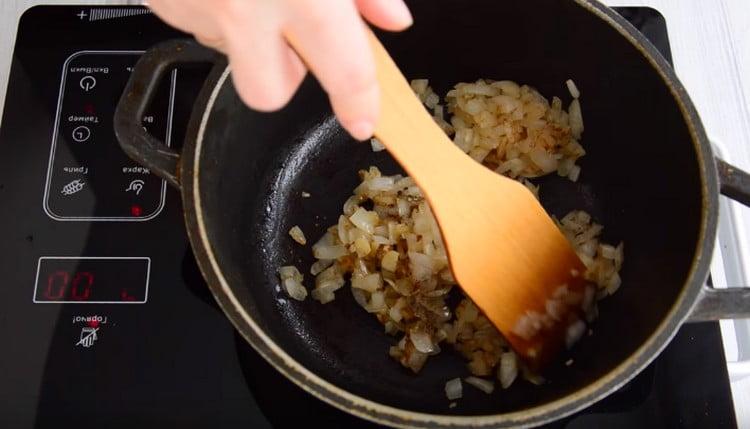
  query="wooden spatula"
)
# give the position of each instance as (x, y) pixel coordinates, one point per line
(505, 251)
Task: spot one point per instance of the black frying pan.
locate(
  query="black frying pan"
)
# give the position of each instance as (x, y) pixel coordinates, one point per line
(649, 176)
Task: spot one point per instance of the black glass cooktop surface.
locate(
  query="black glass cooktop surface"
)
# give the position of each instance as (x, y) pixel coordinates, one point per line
(105, 320)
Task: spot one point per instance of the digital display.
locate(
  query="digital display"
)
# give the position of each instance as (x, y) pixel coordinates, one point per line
(92, 280)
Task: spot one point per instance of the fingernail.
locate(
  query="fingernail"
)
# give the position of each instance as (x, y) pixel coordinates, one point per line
(402, 14)
(362, 130)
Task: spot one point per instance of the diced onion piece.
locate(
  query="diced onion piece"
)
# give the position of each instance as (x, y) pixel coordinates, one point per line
(362, 245)
(454, 389)
(485, 386)
(390, 260)
(290, 272)
(419, 86)
(575, 172)
(422, 341)
(342, 227)
(395, 311)
(546, 162)
(292, 279)
(320, 265)
(329, 252)
(298, 235)
(614, 283)
(295, 289)
(377, 302)
(326, 283)
(365, 220)
(323, 295)
(574, 333)
(607, 251)
(532, 378)
(421, 266)
(376, 145)
(508, 369)
(576, 118)
(369, 282)
(572, 88)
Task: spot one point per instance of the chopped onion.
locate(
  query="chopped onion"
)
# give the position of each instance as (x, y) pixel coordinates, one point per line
(485, 386)
(362, 246)
(365, 220)
(543, 160)
(575, 172)
(454, 389)
(326, 283)
(395, 311)
(420, 265)
(292, 279)
(295, 289)
(572, 88)
(614, 283)
(508, 369)
(376, 145)
(329, 252)
(422, 341)
(298, 235)
(341, 228)
(607, 251)
(320, 265)
(377, 302)
(370, 282)
(576, 118)
(390, 260)
(574, 333)
(395, 254)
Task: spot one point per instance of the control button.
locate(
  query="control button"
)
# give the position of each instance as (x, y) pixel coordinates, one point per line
(81, 133)
(135, 186)
(73, 187)
(87, 83)
(88, 336)
(136, 210)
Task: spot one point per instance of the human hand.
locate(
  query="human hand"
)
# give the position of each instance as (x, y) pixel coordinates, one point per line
(329, 34)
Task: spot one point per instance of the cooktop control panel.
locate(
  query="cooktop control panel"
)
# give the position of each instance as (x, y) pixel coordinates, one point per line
(89, 178)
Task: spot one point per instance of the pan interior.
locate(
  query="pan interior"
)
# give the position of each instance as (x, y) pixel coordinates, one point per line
(640, 179)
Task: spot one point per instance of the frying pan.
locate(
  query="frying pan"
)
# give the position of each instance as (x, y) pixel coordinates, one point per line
(649, 176)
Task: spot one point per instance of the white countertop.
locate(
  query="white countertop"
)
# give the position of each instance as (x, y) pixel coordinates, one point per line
(710, 43)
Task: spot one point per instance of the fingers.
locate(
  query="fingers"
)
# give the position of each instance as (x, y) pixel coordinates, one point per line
(192, 16)
(391, 15)
(265, 70)
(330, 36)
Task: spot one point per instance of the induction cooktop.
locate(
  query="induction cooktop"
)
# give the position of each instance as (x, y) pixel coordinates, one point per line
(105, 320)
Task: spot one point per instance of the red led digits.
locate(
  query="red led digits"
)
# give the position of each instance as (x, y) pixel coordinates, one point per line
(57, 282)
(82, 283)
(92, 280)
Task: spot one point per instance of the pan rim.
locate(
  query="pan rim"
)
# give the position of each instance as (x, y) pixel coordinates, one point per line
(550, 411)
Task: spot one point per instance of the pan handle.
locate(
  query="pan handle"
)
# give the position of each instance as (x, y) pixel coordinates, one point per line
(734, 302)
(142, 85)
